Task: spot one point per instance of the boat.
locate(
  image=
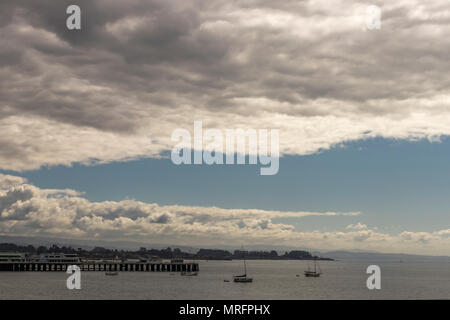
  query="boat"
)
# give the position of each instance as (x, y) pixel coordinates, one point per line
(313, 274)
(111, 273)
(243, 278)
(189, 273)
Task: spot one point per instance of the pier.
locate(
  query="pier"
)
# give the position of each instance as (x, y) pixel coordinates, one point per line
(99, 266)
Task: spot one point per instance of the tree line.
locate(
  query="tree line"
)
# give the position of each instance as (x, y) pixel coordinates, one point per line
(168, 253)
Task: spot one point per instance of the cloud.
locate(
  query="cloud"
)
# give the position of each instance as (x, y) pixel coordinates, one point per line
(117, 89)
(9, 181)
(28, 210)
(357, 226)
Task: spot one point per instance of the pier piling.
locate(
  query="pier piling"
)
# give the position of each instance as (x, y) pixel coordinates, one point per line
(100, 266)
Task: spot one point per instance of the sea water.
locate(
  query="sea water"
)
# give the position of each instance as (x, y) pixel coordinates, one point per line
(272, 280)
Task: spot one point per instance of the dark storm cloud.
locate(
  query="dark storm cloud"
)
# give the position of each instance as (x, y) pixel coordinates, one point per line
(138, 64)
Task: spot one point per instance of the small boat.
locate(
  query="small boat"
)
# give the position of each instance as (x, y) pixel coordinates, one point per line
(313, 274)
(189, 273)
(111, 273)
(243, 278)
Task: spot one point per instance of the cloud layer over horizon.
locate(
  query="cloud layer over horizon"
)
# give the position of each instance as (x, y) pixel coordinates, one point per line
(139, 69)
(26, 210)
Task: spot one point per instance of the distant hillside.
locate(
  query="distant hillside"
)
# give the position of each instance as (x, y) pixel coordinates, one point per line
(354, 255)
(383, 257)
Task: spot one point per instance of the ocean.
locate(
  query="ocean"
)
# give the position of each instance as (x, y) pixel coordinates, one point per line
(272, 280)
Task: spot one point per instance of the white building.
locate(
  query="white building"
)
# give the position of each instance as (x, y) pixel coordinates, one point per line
(59, 257)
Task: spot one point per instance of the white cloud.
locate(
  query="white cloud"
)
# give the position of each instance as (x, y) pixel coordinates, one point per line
(31, 211)
(357, 226)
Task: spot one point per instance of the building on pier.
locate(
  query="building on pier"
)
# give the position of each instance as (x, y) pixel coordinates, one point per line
(59, 257)
(12, 257)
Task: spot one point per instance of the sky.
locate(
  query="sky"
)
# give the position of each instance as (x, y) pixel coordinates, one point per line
(86, 118)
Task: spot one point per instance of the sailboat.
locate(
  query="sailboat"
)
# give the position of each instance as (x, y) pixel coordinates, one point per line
(243, 277)
(313, 274)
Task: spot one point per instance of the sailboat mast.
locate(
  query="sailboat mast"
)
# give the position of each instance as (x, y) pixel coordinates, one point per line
(245, 265)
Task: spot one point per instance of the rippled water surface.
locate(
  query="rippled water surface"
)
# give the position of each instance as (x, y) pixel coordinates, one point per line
(272, 280)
